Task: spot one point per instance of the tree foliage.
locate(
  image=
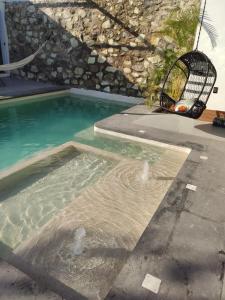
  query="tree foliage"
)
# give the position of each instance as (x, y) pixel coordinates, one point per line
(180, 27)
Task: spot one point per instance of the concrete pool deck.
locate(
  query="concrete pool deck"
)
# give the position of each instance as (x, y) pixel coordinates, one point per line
(14, 87)
(184, 244)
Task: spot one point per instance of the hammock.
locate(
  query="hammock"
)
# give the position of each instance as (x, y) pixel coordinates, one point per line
(21, 63)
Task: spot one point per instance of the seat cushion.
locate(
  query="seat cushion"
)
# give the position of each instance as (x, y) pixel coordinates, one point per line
(183, 105)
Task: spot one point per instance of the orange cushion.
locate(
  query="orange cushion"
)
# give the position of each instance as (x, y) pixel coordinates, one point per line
(183, 105)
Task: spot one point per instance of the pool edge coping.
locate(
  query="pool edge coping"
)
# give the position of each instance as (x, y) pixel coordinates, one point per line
(33, 97)
(141, 140)
(116, 98)
(107, 96)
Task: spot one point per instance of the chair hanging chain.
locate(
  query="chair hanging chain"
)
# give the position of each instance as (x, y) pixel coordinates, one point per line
(200, 29)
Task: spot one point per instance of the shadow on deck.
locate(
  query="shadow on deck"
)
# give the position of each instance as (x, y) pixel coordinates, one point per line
(14, 87)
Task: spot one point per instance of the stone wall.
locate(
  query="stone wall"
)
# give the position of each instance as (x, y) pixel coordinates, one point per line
(102, 44)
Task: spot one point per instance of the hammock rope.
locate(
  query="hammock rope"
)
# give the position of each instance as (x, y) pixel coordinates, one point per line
(21, 63)
(201, 24)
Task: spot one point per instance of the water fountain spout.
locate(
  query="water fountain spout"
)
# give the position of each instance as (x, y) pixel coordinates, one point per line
(78, 243)
(145, 172)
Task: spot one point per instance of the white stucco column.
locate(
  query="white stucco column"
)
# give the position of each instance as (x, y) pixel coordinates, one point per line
(3, 34)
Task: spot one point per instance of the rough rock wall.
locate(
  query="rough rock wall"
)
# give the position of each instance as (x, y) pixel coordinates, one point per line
(96, 44)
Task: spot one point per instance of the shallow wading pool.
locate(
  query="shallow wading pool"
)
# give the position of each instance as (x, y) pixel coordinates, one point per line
(36, 193)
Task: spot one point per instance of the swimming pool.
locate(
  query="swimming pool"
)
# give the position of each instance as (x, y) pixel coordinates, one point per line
(31, 126)
(106, 187)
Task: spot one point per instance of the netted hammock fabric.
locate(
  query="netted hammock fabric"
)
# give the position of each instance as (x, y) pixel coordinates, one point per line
(21, 63)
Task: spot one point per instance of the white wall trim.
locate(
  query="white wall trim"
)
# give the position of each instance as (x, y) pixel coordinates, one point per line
(141, 140)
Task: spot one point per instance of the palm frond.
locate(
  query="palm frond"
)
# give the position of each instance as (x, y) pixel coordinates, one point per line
(209, 28)
(181, 26)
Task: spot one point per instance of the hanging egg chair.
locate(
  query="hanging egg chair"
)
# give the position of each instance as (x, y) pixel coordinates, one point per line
(188, 85)
(189, 82)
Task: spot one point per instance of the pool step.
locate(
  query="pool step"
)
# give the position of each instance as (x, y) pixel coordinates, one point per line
(114, 213)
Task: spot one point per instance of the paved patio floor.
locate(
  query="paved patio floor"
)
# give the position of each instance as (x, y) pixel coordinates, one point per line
(184, 244)
(14, 87)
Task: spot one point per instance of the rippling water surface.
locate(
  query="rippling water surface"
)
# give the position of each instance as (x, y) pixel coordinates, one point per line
(28, 128)
(34, 201)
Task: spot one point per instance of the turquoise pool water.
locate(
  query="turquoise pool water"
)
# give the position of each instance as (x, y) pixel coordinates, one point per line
(27, 128)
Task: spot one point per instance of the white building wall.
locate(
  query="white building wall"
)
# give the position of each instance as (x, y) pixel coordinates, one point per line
(215, 10)
(3, 34)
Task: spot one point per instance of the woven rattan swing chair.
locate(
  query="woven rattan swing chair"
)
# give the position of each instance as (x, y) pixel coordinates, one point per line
(189, 83)
(199, 77)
